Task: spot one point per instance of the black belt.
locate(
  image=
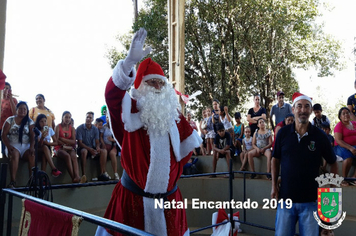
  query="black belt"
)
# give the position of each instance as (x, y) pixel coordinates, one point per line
(129, 184)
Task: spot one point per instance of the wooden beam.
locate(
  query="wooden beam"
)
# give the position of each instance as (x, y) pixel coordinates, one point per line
(176, 40)
(2, 37)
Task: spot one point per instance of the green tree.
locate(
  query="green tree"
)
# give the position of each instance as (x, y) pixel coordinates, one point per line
(235, 49)
(153, 17)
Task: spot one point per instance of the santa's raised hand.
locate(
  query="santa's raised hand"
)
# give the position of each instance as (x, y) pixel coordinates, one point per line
(136, 52)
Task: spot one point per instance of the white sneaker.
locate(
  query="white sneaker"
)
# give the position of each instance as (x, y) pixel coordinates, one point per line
(117, 177)
(107, 175)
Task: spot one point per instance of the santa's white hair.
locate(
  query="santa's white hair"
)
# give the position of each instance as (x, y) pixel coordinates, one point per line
(158, 108)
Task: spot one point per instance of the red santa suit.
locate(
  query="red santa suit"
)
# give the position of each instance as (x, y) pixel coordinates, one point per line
(153, 163)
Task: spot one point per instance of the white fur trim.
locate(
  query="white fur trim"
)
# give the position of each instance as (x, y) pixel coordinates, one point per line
(160, 163)
(101, 231)
(155, 222)
(187, 233)
(302, 97)
(122, 81)
(132, 121)
(182, 149)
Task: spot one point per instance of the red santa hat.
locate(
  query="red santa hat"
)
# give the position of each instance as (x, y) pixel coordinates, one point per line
(148, 69)
(299, 96)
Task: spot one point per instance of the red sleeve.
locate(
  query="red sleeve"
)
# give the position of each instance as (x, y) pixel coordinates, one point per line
(185, 130)
(338, 128)
(113, 97)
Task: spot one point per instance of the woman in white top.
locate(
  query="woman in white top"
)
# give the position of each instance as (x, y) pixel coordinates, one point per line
(18, 137)
(225, 118)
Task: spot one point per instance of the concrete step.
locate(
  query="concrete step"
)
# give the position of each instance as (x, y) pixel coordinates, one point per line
(92, 171)
(205, 164)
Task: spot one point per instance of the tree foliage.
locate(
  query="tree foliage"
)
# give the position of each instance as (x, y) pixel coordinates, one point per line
(234, 49)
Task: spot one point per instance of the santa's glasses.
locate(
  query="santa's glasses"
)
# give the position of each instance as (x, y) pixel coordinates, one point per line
(155, 82)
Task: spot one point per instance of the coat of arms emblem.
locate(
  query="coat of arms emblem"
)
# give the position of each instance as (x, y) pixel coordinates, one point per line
(329, 202)
(312, 146)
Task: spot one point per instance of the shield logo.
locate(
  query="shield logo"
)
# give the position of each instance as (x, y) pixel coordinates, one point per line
(329, 204)
(312, 146)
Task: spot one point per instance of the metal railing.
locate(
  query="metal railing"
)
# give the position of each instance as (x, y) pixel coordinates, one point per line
(231, 174)
(109, 224)
(115, 226)
(231, 177)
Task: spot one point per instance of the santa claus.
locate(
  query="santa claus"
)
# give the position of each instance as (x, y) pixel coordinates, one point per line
(156, 143)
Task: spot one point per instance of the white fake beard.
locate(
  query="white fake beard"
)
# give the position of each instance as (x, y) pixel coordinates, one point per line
(158, 108)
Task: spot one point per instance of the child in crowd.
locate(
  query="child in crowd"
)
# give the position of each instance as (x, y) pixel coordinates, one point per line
(261, 142)
(72, 122)
(325, 126)
(238, 133)
(196, 151)
(210, 135)
(202, 127)
(45, 144)
(247, 147)
(319, 117)
(103, 114)
(107, 141)
(99, 124)
(222, 144)
(289, 119)
(226, 120)
(215, 116)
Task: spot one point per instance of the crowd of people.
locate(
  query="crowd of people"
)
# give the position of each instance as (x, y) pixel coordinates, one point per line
(220, 133)
(296, 147)
(222, 137)
(21, 126)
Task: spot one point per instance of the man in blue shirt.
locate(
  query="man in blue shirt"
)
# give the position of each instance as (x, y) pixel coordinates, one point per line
(298, 152)
(280, 110)
(89, 146)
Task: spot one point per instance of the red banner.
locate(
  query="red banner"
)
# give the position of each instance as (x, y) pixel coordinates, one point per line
(39, 220)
